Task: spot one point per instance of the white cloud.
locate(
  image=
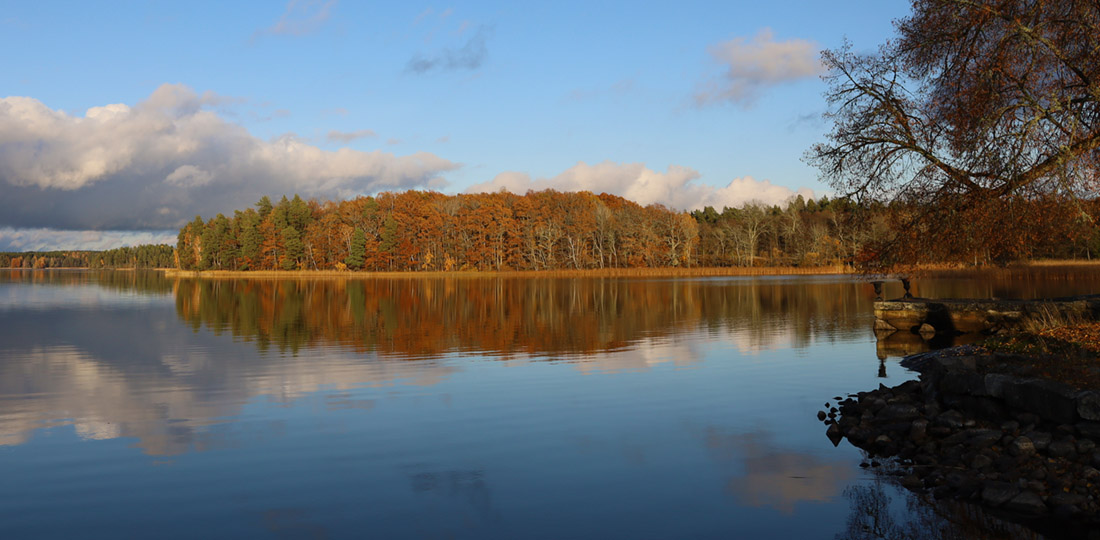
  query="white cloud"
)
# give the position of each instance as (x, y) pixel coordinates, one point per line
(677, 187)
(189, 176)
(120, 167)
(753, 65)
(40, 239)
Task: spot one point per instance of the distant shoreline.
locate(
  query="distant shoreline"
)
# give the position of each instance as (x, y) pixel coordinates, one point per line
(593, 272)
(730, 271)
(723, 271)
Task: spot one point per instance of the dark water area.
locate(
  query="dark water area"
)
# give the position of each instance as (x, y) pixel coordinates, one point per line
(132, 405)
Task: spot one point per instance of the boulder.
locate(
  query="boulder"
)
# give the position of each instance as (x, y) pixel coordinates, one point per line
(898, 411)
(983, 438)
(1089, 430)
(1021, 446)
(962, 381)
(1088, 405)
(1028, 503)
(1085, 446)
(995, 383)
(998, 493)
(1051, 400)
(1062, 448)
(1040, 439)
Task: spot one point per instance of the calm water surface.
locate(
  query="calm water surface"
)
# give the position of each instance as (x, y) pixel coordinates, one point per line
(132, 405)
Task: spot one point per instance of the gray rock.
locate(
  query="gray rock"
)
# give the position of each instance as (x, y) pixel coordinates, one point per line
(952, 419)
(918, 430)
(834, 434)
(998, 493)
(1028, 503)
(980, 462)
(1062, 448)
(1088, 405)
(1069, 499)
(912, 482)
(983, 438)
(956, 439)
(1040, 439)
(1027, 418)
(1090, 430)
(1022, 446)
(995, 383)
(898, 411)
(1051, 400)
(958, 362)
(1085, 446)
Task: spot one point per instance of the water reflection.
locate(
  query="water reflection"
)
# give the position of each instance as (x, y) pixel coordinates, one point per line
(423, 318)
(874, 515)
(127, 281)
(774, 476)
(429, 407)
(139, 374)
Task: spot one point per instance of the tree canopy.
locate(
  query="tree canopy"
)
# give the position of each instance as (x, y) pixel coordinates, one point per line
(977, 117)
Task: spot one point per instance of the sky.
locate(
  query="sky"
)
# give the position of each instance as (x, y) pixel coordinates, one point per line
(121, 121)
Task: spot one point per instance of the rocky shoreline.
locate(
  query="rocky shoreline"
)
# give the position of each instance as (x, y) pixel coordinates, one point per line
(978, 427)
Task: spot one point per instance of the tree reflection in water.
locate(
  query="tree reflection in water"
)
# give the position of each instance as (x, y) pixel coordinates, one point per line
(875, 516)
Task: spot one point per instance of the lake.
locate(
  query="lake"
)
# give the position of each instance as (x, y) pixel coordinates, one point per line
(134, 405)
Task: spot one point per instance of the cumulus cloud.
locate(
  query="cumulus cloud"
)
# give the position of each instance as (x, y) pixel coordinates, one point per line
(469, 57)
(677, 187)
(164, 160)
(40, 239)
(300, 17)
(754, 65)
(348, 136)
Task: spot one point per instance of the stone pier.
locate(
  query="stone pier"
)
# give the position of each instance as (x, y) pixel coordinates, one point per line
(961, 315)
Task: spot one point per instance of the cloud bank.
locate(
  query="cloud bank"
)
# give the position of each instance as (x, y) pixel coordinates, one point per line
(159, 163)
(677, 187)
(751, 66)
(51, 239)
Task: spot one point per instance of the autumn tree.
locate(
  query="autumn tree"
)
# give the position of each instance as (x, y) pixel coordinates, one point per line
(976, 110)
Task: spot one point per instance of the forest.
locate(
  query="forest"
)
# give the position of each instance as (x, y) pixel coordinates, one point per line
(143, 256)
(551, 230)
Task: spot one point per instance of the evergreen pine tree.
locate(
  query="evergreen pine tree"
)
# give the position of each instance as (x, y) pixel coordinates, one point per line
(292, 247)
(357, 254)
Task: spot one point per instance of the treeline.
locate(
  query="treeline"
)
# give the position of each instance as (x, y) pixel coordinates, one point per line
(143, 256)
(550, 230)
(418, 230)
(802, 233)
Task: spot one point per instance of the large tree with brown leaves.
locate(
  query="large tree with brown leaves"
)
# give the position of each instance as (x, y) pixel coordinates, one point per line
(976, 108)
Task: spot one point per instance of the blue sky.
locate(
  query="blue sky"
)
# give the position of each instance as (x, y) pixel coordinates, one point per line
(119, 121)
